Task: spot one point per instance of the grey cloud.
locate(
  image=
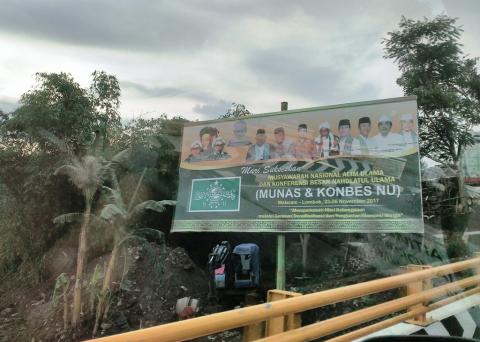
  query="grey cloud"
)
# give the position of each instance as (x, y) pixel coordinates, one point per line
(147, 91)
(467, 12)
(7, 105)
(142, 24)
(165, 92)
(289, 72)
(212, 110)
(355, 30)
(285, 64)
(163, 26)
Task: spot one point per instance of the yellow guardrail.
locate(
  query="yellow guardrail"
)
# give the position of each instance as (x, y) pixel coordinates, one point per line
(419, 293)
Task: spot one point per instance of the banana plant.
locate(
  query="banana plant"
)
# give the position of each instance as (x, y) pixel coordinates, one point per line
(121, 216)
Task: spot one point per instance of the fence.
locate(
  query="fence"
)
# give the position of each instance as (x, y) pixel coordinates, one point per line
(283, 326)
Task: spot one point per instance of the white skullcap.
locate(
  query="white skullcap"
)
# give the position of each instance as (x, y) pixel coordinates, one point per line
(385, 118)
(196, 144)
(219, 141)
(324, 125)
(406, 117)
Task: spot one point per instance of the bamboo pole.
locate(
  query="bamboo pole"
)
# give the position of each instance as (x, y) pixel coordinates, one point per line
(206, 325)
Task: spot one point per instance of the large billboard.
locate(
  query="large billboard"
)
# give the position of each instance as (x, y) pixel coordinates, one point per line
(343, 168)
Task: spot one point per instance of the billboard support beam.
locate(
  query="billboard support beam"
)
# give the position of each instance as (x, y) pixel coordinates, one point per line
(281, 242)
(281, 262)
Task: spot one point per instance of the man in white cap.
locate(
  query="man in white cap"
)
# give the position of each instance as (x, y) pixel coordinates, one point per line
(218, 153)
(195, 150)
(410, 137)
(326, 144)
(387, 142)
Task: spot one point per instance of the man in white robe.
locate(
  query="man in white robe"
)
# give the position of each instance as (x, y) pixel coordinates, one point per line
(410, 137)
(387, 142)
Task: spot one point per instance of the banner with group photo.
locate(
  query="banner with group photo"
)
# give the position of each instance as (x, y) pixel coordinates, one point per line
(343, 168)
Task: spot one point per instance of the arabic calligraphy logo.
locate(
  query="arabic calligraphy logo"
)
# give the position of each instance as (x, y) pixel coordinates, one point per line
(215, 196)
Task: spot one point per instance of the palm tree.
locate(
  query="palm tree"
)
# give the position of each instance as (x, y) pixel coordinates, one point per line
(85, 174)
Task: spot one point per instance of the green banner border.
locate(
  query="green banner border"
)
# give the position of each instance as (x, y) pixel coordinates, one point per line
(300, 226)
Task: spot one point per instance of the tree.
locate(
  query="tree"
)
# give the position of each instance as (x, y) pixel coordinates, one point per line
(445, 81)
(236, 110)
(447, 85)
(59, 114)
(57, 105)
(27, 183)
(153, 144)
(153, 132)
(105, 97)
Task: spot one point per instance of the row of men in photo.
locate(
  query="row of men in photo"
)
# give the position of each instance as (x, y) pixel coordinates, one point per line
(211, 145)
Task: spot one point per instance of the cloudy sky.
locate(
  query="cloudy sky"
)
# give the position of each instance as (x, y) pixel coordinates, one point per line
(193, 58)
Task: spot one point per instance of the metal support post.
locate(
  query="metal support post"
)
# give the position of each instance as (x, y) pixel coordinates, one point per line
(281, 242)
(415, 288)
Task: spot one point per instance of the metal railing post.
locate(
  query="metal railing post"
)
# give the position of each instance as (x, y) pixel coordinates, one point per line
(253, 331)
(283, 323)
(417, 287)
(476, 268)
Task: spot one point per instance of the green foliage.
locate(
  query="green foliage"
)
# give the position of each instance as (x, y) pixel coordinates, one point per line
(157, 206)
(454, 226)
(125, 216)
(30, 199)
(161, 132)
(58, 105)
(397, 250)
(62, 284)
(105, 97)
(447, 86)
(236, 110)
(59, 123)
(58, 114)
(445, 81)
(94, 285)
(111, 211)
(152, 145)
(294, 268)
